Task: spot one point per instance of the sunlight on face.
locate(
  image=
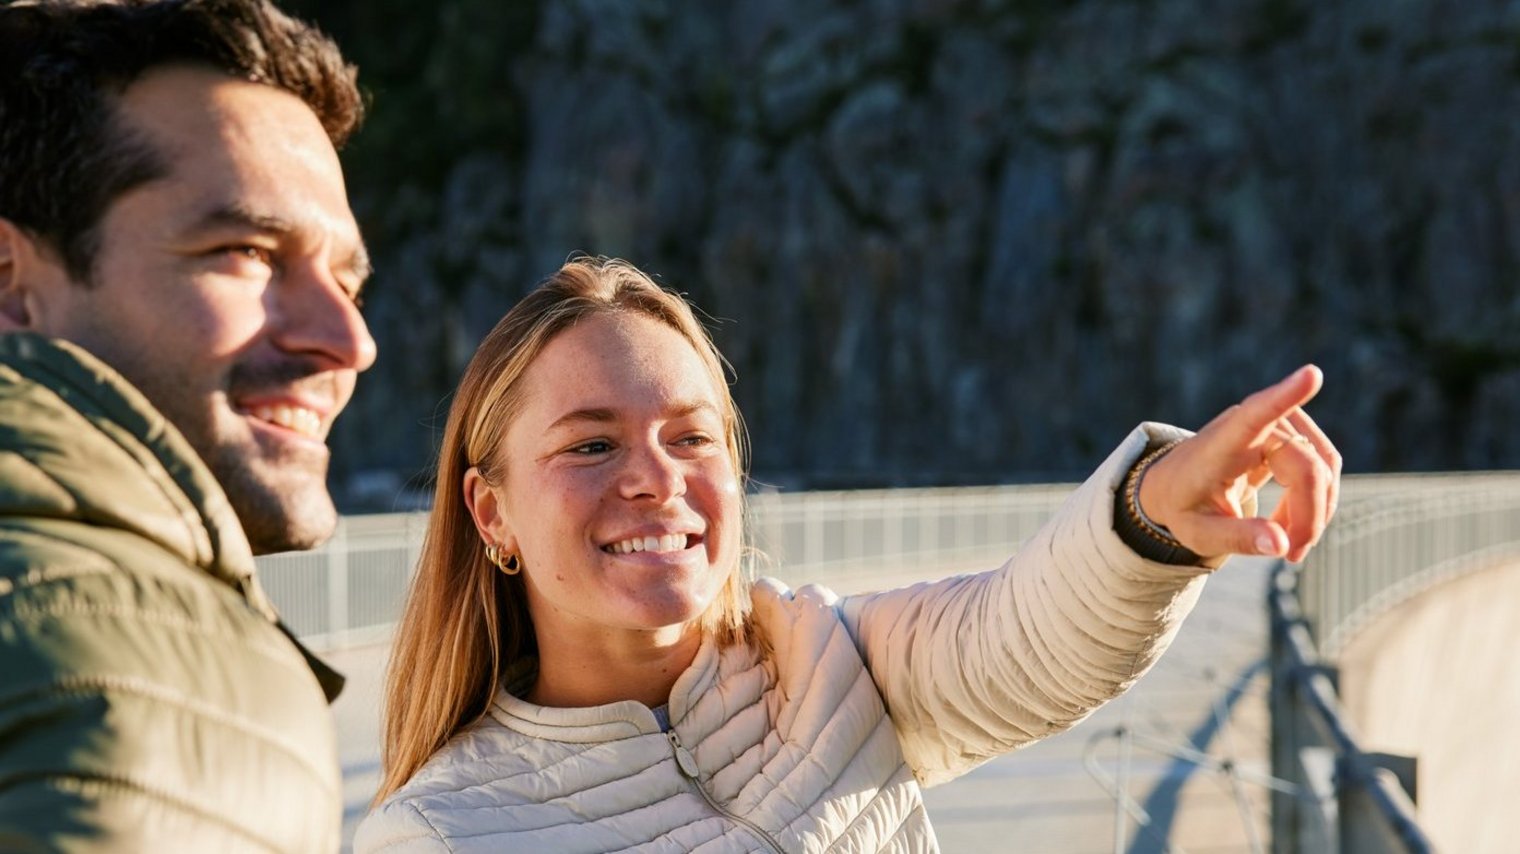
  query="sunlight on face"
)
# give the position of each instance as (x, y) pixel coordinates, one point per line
(619, 492)
(224, 291)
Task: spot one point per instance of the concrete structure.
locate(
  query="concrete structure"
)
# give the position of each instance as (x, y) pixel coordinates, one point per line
(1438, 678)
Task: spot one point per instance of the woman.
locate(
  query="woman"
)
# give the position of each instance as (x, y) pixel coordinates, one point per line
(583, 667)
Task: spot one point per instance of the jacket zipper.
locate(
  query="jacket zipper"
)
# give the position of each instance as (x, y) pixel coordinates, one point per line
(688, 765)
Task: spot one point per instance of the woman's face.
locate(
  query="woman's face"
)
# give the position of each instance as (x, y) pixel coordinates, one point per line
(617, 490)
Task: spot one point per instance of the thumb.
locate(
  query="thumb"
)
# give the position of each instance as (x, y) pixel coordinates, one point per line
(1212, 535)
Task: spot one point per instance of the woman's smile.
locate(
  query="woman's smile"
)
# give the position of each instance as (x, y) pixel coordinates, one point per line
(654, 544)
(619, 447)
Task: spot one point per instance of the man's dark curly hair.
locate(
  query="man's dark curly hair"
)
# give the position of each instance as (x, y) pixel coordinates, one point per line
(64, 155)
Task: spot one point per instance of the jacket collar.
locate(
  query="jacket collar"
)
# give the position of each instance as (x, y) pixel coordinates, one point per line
(593, 724)
(98, 438)
(86, 445)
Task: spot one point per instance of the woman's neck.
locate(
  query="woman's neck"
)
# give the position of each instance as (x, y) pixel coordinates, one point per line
(600, 668)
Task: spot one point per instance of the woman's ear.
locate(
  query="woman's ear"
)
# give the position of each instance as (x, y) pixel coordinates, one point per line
(486, 510)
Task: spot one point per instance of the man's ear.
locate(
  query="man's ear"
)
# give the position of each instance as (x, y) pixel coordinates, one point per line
(22, 263)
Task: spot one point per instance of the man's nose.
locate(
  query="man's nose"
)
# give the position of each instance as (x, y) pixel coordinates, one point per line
(319, 316)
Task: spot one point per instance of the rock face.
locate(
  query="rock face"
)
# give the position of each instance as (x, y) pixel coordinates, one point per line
(954, 241)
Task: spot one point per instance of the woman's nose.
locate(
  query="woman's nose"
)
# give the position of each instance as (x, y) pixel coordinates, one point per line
(651, 473)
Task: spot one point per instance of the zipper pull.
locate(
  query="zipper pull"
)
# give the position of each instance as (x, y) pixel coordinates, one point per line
(684, 760)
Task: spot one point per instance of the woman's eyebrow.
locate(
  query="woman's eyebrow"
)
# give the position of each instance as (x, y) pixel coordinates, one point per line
(606, 415)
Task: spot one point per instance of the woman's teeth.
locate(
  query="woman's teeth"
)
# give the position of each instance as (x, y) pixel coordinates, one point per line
(667, 543)
(295, 418)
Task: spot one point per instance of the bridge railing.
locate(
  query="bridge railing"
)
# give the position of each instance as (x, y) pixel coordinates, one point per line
(349, 592)
(1347, 801)
(1394, 538)
(1398, 537)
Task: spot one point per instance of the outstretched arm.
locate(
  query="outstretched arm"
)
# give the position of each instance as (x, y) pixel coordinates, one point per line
(978, 665)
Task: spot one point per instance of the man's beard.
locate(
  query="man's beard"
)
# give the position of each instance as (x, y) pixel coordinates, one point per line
(277, 513)
(281, 500)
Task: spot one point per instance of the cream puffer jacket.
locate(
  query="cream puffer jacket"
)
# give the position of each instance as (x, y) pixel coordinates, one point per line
(822, 743)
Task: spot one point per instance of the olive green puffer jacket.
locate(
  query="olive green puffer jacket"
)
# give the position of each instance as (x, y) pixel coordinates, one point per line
(149, 698)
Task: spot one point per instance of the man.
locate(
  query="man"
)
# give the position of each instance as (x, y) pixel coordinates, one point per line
(179, 275)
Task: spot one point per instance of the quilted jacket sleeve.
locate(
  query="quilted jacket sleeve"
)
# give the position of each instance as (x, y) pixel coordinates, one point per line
(974, 666)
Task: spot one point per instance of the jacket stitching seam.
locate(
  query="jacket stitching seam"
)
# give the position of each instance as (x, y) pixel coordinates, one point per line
(265, 650)
(431, 827)
(918, 809)
(139, 687)
(880, 791)
(537, 770)
(82, 785)
(47, 575)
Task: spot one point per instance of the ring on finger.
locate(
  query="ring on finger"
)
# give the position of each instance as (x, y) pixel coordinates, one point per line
(1295, 439)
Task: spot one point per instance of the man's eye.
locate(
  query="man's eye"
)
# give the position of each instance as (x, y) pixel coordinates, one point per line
(241, 258)
(252, 253)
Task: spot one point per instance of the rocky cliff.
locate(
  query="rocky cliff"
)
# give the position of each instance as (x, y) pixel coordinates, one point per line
(964, 241)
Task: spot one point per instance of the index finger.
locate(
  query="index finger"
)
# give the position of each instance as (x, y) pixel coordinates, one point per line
(1255, 417)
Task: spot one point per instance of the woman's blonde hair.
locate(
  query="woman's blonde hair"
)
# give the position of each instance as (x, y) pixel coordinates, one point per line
(465, 622)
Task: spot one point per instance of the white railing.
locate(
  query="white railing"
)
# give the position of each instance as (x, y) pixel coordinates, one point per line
(847, 539)
(349, 592)
(1396, 537)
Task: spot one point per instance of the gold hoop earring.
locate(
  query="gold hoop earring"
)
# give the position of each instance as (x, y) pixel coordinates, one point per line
(508, 564)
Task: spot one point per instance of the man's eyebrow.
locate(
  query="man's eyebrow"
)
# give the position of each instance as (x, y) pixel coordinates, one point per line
(357, 264)
(238, 216)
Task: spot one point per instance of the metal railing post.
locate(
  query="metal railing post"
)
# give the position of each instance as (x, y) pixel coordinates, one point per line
(337, 585)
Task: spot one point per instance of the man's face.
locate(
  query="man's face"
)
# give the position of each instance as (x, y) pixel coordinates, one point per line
(225, 291)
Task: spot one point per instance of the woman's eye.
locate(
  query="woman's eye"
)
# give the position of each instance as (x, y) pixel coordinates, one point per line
(596, 446)
(695, 440)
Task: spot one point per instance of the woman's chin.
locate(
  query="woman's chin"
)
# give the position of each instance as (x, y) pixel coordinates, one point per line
(668, 609)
